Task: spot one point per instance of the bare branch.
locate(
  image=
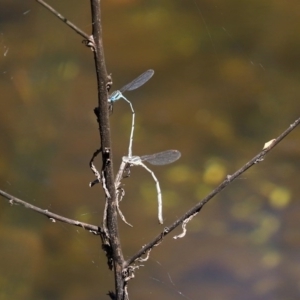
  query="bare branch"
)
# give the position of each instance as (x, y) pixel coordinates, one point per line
(52, 216)
(229, 178)
(62, 18)
(103, 83)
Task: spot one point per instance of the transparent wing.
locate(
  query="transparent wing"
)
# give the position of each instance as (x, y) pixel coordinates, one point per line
(162, 158)
(136, 83)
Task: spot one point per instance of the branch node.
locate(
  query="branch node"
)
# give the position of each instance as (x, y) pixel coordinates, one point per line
(90, 43)
(128, 273)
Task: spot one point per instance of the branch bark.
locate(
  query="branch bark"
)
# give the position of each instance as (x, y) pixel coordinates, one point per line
(103, 83)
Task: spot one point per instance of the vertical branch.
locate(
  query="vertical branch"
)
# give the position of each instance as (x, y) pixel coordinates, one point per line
(107, 169)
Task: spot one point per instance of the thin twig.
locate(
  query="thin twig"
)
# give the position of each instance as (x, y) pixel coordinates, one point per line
(229, 178)
(65, 20)
(52, 216)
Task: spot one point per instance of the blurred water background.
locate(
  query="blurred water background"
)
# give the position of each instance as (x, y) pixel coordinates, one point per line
(226, 81)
